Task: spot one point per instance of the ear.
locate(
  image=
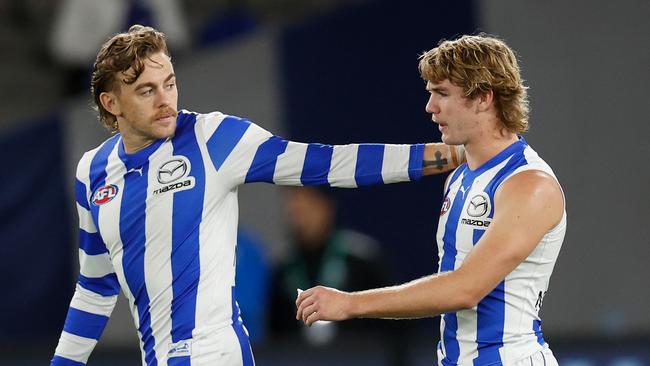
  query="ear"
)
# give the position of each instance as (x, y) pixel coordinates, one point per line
(110, 103)
(485, 101)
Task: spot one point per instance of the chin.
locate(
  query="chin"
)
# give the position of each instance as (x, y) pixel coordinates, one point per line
(167, 132)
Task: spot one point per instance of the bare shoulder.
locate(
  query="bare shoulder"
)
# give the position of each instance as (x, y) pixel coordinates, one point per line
(531, 183)
(533, 192)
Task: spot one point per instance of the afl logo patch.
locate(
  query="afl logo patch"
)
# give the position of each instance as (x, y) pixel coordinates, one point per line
(104, 194)
(479, 205)
(445, 206)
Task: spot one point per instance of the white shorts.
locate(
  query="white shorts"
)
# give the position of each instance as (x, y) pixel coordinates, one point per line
(226, 347)
(542, 358)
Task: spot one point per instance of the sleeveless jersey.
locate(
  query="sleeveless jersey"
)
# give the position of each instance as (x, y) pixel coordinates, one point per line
(505, 326)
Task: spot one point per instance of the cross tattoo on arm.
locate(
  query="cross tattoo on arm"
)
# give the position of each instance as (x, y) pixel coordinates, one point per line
(438, 163)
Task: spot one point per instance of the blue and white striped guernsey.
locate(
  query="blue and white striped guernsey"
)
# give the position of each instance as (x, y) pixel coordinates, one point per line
(161, 225)
(505, 326)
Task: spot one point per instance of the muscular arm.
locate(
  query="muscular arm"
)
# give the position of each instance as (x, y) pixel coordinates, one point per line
(526, 206)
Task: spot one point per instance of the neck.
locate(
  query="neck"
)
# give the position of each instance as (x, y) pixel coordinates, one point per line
(487, 146)
(136, 143)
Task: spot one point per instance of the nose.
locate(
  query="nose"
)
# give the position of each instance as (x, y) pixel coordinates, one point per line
(163, 98)
(432, 105)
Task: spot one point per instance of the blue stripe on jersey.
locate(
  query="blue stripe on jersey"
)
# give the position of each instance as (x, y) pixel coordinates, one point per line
(132, 233)
(455, 176)
(317, 164)
(491, 309)
(242, 336)
(105, 286)
(263, 165)
(91, 243)
(518, 159)
(84, 324)
(97, 174)
(186, 218)
(80, 194)
(179, 361)
(537, 328)
(225, 138)
(452, 349)
(62, 361)
(447, 263)
(369, 161)
(416, 156)
(490, 320)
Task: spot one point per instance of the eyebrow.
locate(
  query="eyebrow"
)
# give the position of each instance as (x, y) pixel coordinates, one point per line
(153, 85)
(437, 89)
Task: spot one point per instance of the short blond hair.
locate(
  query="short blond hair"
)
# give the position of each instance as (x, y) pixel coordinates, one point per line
(478, 64)
(120, 53)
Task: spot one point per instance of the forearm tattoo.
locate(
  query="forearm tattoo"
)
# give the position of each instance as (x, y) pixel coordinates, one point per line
(440, 163)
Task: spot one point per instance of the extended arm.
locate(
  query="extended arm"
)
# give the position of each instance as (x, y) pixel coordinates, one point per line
(248, 153)
(95, 294)
(526, 206)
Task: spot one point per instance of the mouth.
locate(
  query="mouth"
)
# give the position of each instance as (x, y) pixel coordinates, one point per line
(166, 116)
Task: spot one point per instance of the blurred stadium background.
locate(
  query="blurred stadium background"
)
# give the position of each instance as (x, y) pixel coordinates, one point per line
(339, 71)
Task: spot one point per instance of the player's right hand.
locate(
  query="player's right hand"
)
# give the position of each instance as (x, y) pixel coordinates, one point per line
(323, 303)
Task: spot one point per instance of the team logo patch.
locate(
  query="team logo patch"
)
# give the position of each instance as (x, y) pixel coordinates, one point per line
(446, 205)
(173, 175)
(104, 194)
(479, 205)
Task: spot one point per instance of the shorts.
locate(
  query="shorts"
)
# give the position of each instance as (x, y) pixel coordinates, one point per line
(226, 347)
(544, 357)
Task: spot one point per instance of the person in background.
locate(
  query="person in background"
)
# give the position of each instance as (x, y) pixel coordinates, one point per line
(321, 252)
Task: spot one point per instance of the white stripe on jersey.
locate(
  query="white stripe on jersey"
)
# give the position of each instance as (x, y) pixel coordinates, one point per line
(91, 302)
(292, 158)
(157, 266)
(216, 279)
(395, 164)
(109, 227)
(74, 347)
(86, 220)
(98, 265)
(344, 161)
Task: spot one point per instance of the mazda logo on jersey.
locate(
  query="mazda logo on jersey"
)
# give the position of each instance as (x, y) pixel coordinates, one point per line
(174, 176)
(479, 205)
(173, 170)
(104, 194)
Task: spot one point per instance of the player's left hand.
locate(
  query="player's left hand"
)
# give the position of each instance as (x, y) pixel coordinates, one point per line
(323, 303)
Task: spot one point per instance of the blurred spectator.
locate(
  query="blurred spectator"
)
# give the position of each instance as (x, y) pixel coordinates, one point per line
(81, 26)
(324, 254)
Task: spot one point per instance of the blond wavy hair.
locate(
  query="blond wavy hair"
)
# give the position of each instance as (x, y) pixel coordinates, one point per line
(478, 64)
(120, 53)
